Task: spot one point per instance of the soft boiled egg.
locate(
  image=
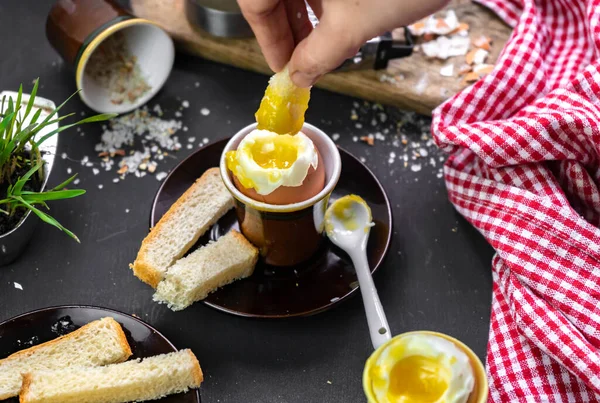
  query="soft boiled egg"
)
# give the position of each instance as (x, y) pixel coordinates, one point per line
(277, 168)
(418, 368)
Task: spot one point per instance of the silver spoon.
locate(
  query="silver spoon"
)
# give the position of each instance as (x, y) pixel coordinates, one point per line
(348, 222)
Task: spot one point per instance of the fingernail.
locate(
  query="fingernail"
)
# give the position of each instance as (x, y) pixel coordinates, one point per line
(302, 79)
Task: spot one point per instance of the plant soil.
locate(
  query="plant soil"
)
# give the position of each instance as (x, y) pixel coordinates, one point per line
(8, 223)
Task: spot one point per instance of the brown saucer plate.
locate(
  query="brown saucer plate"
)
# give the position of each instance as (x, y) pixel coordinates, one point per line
(46, 324)
(325, 280)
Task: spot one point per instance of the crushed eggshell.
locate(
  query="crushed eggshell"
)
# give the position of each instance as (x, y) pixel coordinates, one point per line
(370, 140)
(447, 70)
(471, 77)
(483, 42)
(483, 69)
(436, 26)
(476, 56)
(445, 47)
(464, 69)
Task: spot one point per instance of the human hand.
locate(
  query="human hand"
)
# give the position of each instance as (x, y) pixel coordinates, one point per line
(286, 36)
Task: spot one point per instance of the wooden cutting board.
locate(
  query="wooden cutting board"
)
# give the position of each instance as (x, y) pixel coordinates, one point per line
(418, 87)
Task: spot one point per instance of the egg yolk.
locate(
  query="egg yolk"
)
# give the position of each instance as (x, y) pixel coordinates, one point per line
(283, 105)
(342, 211)
(275, 153)
(417, 379)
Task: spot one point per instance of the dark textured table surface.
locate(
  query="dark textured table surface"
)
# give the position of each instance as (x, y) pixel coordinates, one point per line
(437, 274)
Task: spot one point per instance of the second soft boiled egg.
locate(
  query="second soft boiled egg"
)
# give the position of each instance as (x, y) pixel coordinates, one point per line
(277, 169)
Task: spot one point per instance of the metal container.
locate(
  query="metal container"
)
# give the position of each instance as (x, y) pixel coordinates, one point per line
(13, 243)
(221, 18)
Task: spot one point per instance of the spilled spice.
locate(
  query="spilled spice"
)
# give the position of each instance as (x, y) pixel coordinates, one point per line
(114, 68)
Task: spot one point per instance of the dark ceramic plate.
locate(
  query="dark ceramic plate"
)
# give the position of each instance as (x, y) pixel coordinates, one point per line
(325, 280)
(46, 324)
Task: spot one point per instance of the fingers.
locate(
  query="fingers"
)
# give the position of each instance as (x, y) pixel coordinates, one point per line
(329, 44)
(298, 19)
(268, 19)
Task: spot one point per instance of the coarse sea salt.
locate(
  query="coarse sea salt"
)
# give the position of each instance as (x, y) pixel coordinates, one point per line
(18, 286)
(205, 111)
(335, 136)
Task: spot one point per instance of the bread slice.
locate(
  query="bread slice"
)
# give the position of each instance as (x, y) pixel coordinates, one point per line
(98, 343)
(219, 263)
(137, 380)
(188, 219)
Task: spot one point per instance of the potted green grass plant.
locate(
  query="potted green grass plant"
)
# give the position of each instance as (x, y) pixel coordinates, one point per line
(28, 139)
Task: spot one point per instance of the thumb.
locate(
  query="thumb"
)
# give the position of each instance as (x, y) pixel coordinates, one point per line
(323, 50)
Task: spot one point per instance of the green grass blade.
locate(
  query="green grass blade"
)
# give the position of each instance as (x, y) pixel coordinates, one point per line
(31, 98)
(51, 195)
(97, 118)
(36, 116)
(47, 218)
(18, 186)
(65, 183)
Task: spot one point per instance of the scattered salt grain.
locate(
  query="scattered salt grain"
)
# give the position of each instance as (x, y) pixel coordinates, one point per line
(185, 128)
(18, 286)
(334, 299)
(116, 180)
(379, 136)
(363, 159)
(189, 146)
(373, 122)
(178, 114)
(191, 139)
(423, 152)
(127, 210)
(196, 84)
(355, 139)
(358, 125)
(161, 175)
(205, 111)
(335, 136)
(158, 110)
(89, 164)
(100, 186)
(96, 171)
(76, 182)
(392, 155)
(205, 140)
(69, 170)
(415, 167)
(185, 104)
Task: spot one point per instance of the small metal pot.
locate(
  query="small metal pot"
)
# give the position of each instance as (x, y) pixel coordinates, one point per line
(221, 18)
(13, 243)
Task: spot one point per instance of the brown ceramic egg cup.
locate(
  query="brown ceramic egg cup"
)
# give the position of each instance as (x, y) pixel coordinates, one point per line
(75, 28)
(288, 234)
(323, 281)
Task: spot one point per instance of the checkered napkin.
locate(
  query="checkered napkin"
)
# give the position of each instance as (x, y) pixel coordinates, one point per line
(524, 169)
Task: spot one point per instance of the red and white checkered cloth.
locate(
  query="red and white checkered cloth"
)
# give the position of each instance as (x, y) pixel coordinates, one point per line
(524, 169)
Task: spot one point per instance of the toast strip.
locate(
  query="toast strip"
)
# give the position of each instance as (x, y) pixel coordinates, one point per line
(98, 343)
(219, 263)
(188, 219)
(149, 379)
